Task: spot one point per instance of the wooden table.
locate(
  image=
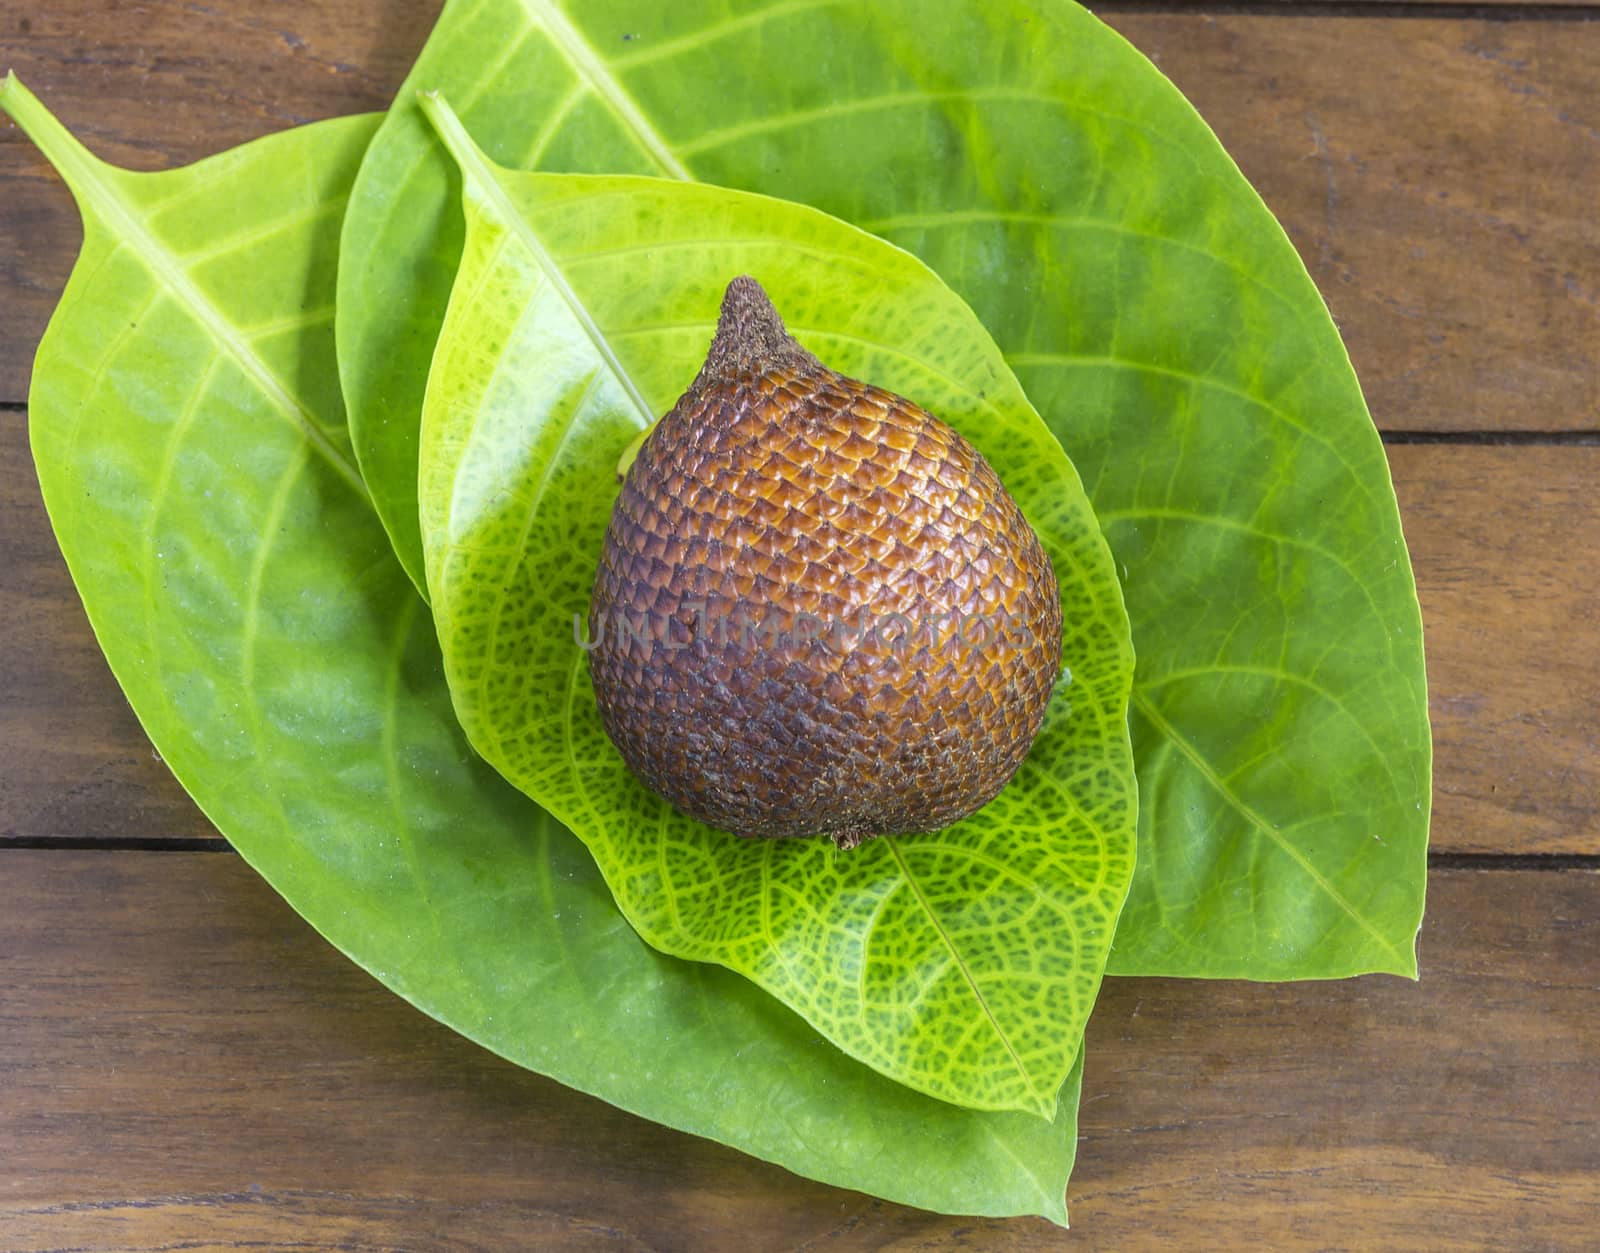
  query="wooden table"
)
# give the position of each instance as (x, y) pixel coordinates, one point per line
(183, 1063)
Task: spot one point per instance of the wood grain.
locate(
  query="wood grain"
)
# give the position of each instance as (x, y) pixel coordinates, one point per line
(1438, 178)
(1506, 546)
(184, 1059)
(74, 761)
(1510, 594)
(150, 86)
(1437, 174)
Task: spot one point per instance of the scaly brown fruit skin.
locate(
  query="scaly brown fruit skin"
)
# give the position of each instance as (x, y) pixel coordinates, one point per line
(746, 654)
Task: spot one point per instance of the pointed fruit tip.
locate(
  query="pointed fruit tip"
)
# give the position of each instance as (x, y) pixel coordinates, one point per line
(746, 303)
(744, 291)
(749, 329)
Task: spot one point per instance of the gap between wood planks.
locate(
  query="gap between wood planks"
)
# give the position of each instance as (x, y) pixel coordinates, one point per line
(1519, 439)
(217, 844)
(1489, 11)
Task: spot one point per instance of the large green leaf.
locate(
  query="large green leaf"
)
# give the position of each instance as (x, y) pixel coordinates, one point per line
(190, 443)
(1156, 314)
(963, 964)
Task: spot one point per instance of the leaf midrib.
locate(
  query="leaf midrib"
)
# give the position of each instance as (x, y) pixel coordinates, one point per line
(477, 171)
(87, 176)
(1040, 1104)
(1240, 806)
(587, 65)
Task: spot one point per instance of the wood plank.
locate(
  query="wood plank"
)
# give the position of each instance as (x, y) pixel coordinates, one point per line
(1437, 173)
(1511, 598)
(1524, 9)
(184, 1059)
(1506, 546)
(1438, 176)
(1458, 1112)
(153, 86)
(74, 761)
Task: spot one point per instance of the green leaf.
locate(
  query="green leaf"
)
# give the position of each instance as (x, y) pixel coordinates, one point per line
(1157, 317)
(190, 444)
(963, 964)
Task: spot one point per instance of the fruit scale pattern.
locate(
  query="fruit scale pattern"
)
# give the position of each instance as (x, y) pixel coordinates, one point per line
(818, 611)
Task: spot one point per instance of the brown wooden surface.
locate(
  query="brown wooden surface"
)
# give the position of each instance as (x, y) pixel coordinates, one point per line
(183, 1063)
(1439, 178)
(1438, 175)
(1506, 546)
(185, 1058)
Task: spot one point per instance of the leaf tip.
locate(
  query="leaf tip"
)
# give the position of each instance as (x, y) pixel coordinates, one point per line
(1052, 1205)
(75, 163)
(448, 127)
(433, 104)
